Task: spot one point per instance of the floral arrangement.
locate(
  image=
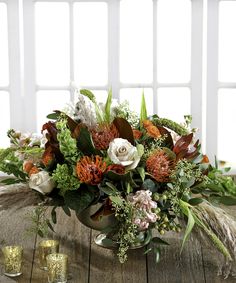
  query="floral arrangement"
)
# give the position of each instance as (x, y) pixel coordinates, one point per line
(146, 171)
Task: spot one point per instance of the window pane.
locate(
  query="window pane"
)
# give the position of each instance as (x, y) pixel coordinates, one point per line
(226, 125)
(91, 43)
(52, 43)
(47, 101)
(134, 96)
(4, 118)
(136, 43)
(227, 41)
(174, 103)
(4, 72)
(173, 41)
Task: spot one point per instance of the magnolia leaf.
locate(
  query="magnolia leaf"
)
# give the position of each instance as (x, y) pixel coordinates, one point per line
(117, 177)
(53, 116)
(85, 143)
(148, 184)
(108, 107)
(50, 225)
(157, 254)
(143, 111)
(124, 129)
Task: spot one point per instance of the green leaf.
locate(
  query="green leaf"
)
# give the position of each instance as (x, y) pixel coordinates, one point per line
(159, 241)
(148, 184)
(54, 215)
(195, 201)
(140, 149)
(109, 190)
(141, 172)
(147, 251)
(78, 200)
(157, 252)
(143, 111)
(108, 106)
(117, 200)
(185, 209)
(10, 181)
(91, 96)
(66, 210)
(118, 177)
(40, 233)
(54, 116)
(227, 200)
(85, 143)
(50, 225)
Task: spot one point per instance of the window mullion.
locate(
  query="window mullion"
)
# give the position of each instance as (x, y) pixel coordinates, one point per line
(212, 79)
(30, 114)
(196, 66)
(114, 46)
(14, 65)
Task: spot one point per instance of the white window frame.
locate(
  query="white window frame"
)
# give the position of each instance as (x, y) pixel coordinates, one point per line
(213, 83)
(195, 84)
(14, 86)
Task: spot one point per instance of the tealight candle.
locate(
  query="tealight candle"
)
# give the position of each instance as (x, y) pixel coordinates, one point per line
(12, 260)
(57, 268)
(45, 248)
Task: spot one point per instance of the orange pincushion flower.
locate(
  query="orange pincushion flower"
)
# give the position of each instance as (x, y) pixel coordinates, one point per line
(34, 170)
(159, 165)
(104, 135)
(151, 129)
(137, 134)
(118, 168)
(90, 169)
(27, 166)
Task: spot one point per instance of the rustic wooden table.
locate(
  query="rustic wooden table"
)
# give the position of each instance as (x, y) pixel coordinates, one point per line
(89, 263)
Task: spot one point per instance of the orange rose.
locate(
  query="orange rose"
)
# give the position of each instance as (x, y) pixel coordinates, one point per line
(205, 159)
(147, 123)
(137, 134)
(153, 132)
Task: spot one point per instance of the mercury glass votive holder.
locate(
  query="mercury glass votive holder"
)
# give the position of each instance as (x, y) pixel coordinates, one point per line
(57, 268)
(45, 248)
(12, 260)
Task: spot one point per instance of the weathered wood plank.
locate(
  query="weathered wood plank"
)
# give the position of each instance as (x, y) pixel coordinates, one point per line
(74, 241)
(176, 268)
(13, 224)
(105, 267)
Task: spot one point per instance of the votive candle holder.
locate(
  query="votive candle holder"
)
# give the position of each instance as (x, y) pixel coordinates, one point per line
(45, 248)
(57, 268)
(13, 256)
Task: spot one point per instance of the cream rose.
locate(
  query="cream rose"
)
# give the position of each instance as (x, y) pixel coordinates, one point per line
(41, 182)
(123, 152)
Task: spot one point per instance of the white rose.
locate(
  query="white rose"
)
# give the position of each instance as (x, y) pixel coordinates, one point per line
(41, 182)
(123, 152)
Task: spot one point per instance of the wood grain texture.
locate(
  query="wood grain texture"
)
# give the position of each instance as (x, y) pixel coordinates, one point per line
(13, 224)
(74, 241)
(105, 267)
(176, 268)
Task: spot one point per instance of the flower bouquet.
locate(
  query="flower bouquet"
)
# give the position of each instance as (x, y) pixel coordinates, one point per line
(142, 172)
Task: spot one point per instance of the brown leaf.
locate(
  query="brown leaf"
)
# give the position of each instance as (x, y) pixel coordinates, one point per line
(124, 129)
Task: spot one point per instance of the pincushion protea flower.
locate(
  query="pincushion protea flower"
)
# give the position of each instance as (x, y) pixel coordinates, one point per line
(159, 165)
(104, 135)
(90, 169)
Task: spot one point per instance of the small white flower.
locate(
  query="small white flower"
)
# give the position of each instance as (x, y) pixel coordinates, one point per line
(41, 182)
(123, 152)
